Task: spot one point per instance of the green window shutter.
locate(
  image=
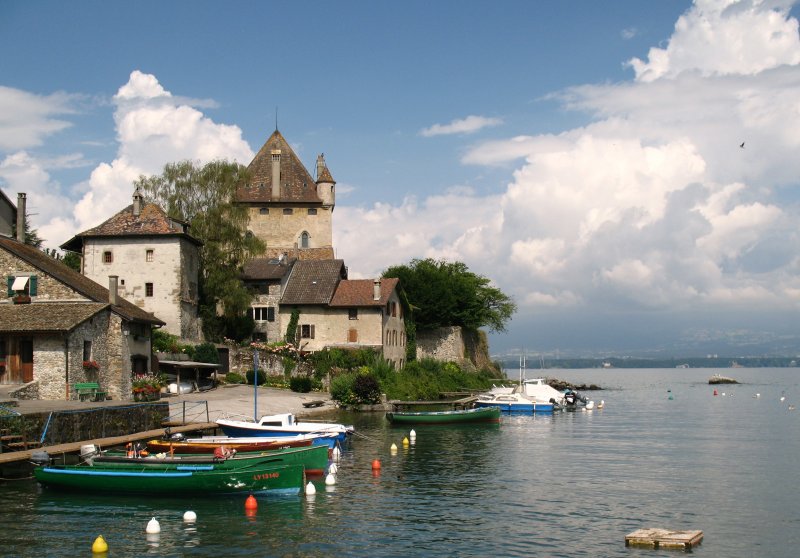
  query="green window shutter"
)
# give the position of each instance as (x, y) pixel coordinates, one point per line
(32, 283)
(10, 281)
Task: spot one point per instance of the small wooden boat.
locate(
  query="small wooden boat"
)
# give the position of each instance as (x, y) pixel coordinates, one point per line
(285, 424)
(313, 458)
(207, 444)
(484, 414)
(177, 481)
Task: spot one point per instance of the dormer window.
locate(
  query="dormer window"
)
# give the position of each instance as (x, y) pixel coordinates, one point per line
(21, 285)
(108, 257)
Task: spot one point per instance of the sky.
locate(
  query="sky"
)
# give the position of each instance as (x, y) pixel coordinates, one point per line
(626, 173)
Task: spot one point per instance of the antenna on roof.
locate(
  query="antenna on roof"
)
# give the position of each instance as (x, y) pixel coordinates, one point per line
(276, 118)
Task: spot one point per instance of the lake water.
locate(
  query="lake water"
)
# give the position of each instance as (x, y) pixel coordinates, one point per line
(572, 484)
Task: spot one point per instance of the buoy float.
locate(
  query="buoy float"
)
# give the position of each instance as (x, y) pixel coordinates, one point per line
(251, 503)
(190, 517)
(336, 453)
(601, 404)
(99, 545)
(715, 392)
(412, 434)
(405, 442)
(311, 489)
(330, 480)
(590, 405)
(153, 527)
(376, 465)
(333, 469)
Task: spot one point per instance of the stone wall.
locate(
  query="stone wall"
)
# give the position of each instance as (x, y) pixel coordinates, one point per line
(469, 349)
(48, 288)
(241, 360)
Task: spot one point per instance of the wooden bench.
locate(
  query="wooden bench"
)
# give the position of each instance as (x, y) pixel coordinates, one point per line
(89, 391)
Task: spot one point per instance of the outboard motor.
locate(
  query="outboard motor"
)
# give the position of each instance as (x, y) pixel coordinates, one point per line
(570, 398)
(40, 458)
(177, 437)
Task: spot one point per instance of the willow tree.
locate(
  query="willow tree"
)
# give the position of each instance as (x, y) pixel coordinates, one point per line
(205, 197)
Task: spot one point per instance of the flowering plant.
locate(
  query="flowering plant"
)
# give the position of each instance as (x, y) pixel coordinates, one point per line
(90, 365)
(147, 383)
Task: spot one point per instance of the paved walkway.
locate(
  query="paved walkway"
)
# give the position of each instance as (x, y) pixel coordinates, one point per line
(230, 400)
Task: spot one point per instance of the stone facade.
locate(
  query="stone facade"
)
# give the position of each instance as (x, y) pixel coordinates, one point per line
(284, 227)
(158, 274)
(470, 349)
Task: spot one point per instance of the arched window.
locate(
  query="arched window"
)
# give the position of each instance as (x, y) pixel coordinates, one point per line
(304, 240)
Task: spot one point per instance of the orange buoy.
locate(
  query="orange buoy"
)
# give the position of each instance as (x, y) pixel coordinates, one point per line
(376, 465)
(250, 503)
(715, 392)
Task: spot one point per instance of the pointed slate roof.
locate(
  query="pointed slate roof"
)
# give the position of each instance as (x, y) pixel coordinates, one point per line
(297, 185)
(74, 280)
(313, 282)
(151, 221)
(359, 292)
(325, 176)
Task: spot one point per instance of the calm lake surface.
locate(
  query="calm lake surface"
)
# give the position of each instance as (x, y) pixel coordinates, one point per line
(572, 484)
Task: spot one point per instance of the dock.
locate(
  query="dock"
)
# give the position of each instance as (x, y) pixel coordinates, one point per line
(664, 538)
(74, 447)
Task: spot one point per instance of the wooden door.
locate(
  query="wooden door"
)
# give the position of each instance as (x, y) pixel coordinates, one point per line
(26, 359)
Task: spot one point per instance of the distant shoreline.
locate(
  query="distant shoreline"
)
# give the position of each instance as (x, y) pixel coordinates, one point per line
(511, 362)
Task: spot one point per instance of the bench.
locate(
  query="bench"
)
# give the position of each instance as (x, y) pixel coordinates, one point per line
(89, 391)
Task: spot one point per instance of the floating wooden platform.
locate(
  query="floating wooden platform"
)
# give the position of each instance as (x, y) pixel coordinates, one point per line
(664, 538)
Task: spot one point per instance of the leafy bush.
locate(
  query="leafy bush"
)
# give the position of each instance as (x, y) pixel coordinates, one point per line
(301, 384)
(342, 388)
(164, 342)
(366, 389)
(234, 378)
(262, 377)
(206, 352)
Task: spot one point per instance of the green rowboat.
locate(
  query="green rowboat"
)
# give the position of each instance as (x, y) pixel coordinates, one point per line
(484, 414)
(178, 481)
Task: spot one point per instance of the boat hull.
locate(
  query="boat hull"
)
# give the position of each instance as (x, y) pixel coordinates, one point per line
(190, 480)
(486, 414)
(519, 407)
(329, 434)
(206, 446)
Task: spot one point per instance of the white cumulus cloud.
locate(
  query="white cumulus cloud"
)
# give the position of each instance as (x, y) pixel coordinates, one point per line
(27, 119)
(468, 125)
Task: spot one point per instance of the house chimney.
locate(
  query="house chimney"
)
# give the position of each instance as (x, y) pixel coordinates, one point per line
(112, 289)
(276, 174)
(21, 209)
(137, 202)
(376, 289)
(320, 164)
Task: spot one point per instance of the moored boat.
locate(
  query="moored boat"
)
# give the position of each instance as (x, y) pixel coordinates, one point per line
(177, 481)
(485, 414)
(284, 424)
(313, 458)
(533, 396)
(207, 444)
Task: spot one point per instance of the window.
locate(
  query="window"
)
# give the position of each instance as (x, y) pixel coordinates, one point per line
(307, 331)
(352, 335)
(87, 350)
(108, 257)
(352, 313)
(312, 210)
(394, 309)
(22, 284)
(304, 240)
(148, 256)
(288, 210)
(264, 211)
(263, 313)
(148, 289)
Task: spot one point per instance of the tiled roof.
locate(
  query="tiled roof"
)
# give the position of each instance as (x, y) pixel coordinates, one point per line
(297, 185)
(75, 280)
(151, 221)
(322, 253)
(313, 282)
(325, 175)
(359, 292)
(46, 316)
(264, 268)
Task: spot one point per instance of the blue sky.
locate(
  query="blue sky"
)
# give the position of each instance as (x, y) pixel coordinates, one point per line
(584, 156)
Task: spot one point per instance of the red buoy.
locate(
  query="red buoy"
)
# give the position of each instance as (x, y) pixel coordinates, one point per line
(715, 392)
(251, 504)
(376, 465)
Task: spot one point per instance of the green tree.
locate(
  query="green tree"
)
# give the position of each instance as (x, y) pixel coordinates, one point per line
(204, 196)
(72, 260)
(31, 234)
(445, 293)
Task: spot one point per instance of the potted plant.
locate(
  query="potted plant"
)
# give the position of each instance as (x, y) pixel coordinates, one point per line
(90, 365)
(147, 387)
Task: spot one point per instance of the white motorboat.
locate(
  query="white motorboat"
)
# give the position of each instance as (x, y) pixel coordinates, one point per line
(283, 424)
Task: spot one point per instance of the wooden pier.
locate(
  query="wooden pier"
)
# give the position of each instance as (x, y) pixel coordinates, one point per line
(664, 538)
(73, 447)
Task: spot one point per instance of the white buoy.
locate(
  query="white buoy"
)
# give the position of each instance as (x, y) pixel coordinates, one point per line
(757, 395)
(330, 480)
(783, 398)
(412, 434)
(190, 517)
(393, 447)
(601, 404)
(590, 405)
(153, 527)
(311, 489)
(333, 469)
(336, 453)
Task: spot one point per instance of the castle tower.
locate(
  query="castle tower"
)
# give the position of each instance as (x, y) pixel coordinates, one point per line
(289, 210)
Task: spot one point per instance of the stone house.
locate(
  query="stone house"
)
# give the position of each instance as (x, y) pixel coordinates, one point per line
(8, 215)
(289, 210)
(53, 320)
(334, 311)
(156, 259)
